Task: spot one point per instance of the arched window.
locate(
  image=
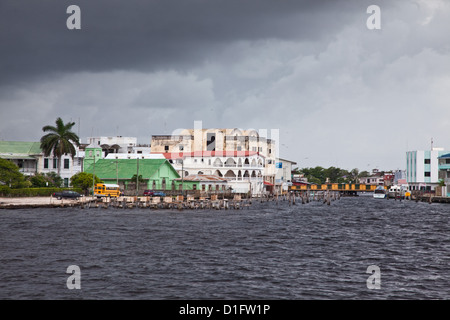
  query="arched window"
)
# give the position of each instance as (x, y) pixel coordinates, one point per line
(230, 163)
(218, 163)
(230, 174)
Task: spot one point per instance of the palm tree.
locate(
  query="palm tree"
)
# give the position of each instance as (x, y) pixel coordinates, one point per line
(60, 141)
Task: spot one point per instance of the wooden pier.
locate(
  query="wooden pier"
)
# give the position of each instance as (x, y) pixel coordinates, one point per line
(170, 202)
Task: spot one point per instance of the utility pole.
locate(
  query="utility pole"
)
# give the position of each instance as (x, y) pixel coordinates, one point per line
(117, 171)
(182, 176)
(93, 178)
(137, 176)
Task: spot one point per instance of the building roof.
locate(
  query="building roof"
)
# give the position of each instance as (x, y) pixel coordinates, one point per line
(126, 168)
(205, 154)
(445, 156)
(20, 147)
(285, 160)
(202, 178)
(135, 155)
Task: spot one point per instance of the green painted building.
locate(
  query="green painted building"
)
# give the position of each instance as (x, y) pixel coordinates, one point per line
(157, 174)
(25, 155)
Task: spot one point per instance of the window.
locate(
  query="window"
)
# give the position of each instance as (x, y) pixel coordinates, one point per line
(66, 182)
(181, 148)
(55, 163)
(139, 152)
(66, 163)
(427, 174)
(194, 187)
(46, 163)
(90, 153)
(210, 142)
(427, 161)
(239, 148)
(203, 187)
(166, 148)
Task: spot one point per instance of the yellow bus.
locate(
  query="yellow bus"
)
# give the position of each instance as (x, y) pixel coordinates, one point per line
(106, 190)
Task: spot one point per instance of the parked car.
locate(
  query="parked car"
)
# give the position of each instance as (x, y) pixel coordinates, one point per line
(66, 194)
(152, 193)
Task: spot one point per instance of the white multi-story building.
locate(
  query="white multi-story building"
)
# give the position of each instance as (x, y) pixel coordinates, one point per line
(283, 175)
(117, 144)
(422, 168)
(243, 170)
(222, 140)
(69, 166)
(30, 159)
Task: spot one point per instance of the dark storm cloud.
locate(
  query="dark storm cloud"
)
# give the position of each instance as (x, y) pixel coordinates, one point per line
(305, 68)
(149, 35)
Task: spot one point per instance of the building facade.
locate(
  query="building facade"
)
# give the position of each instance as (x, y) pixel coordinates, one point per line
(227, 140)
(243, 170)
(283, 175)
(422, 169)
(444, 172)
(156, 174)
(30, 159)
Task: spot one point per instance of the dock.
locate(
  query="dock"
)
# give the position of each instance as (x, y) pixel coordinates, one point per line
(237, 202)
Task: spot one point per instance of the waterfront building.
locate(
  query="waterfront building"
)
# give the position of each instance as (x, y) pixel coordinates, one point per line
(30, 159)
(422, 169)
(372, 180)
(283, 175)
(205, 183)
(243, 170)
(400, 177)
(25, 155)
(444, 172)
(221, 140)
(156, 173)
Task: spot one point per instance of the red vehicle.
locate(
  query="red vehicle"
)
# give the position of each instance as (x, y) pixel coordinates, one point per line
(154, 193)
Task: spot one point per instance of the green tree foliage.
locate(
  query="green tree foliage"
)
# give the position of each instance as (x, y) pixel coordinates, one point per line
(11, 176)
(83, 180)
(140, 179)
(319, 175)
(50, 180)
(60, 141)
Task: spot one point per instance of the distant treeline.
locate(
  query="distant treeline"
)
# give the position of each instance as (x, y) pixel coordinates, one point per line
(319, 175)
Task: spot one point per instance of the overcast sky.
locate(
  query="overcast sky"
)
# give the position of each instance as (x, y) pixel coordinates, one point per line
(339, 93)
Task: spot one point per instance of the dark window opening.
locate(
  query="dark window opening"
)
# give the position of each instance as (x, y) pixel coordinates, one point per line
(211, 142)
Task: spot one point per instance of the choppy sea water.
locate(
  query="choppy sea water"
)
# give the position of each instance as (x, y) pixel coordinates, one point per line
(268, 251)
